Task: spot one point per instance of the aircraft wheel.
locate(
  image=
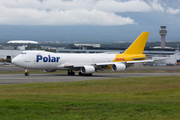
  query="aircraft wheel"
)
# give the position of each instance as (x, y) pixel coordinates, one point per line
(26, 73)
(71, 73)
(80, 74)
(88, 74)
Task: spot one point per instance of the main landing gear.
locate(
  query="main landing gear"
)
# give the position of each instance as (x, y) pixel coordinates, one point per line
(26, 72)
(70, 72)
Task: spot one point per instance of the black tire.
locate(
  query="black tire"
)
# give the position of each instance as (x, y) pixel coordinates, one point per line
(26, 73)
(80, 74)
(88, 74)
(71, 73)
(68, 73)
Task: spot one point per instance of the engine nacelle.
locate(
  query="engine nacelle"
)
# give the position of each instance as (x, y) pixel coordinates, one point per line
(118, 67)
(87, 69)
(49, 70)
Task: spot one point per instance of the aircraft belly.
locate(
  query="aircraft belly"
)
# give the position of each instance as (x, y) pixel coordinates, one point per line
(46, 65)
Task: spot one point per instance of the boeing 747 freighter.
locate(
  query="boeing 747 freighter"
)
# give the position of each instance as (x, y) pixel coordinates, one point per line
(87, 64)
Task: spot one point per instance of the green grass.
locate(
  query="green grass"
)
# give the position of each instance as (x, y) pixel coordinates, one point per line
(156, 98)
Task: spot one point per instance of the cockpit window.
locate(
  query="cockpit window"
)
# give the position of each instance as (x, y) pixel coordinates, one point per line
(23, 53)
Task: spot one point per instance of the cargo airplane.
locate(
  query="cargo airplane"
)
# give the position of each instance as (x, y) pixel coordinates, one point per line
(85, 63)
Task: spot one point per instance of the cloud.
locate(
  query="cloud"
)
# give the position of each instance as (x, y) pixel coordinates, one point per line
(156, 6)
(57, 12)
(172, 11)
(117, 6)
(103, 5)
(72, 12)
(55, 17)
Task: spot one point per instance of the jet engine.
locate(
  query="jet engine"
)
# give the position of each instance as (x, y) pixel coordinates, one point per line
(118, 67)
(49, 70)
(87, 69)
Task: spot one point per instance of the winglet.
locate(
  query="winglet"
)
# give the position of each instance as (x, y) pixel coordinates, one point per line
(137, 47)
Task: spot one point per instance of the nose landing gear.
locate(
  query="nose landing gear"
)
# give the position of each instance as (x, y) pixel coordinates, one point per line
(26, 72)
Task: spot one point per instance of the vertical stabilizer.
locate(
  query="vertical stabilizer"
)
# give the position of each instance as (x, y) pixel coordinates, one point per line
(137, 47)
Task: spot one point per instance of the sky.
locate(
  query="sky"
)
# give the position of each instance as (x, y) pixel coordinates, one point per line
(88, 20)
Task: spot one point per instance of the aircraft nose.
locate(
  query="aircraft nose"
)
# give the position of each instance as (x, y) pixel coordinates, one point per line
(15, 61)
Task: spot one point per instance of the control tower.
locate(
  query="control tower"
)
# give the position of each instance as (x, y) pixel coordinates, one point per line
(163, 32)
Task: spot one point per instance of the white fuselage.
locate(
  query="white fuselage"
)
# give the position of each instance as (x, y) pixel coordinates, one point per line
(47, 60)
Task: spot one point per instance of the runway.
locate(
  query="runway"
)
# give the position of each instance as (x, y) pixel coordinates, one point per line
(34, 78)
(14, 68)
(20, 78)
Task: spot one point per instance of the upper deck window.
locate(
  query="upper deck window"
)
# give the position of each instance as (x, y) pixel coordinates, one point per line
(23, 53)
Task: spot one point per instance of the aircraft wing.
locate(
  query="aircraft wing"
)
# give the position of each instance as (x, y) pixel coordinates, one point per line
(103, 64)
(141, 61)
(127, 62)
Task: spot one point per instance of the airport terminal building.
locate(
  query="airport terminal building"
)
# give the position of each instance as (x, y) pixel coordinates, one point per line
(9, 54)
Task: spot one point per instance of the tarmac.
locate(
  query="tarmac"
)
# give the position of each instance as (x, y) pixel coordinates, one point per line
(14, 68)
(34, 78)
